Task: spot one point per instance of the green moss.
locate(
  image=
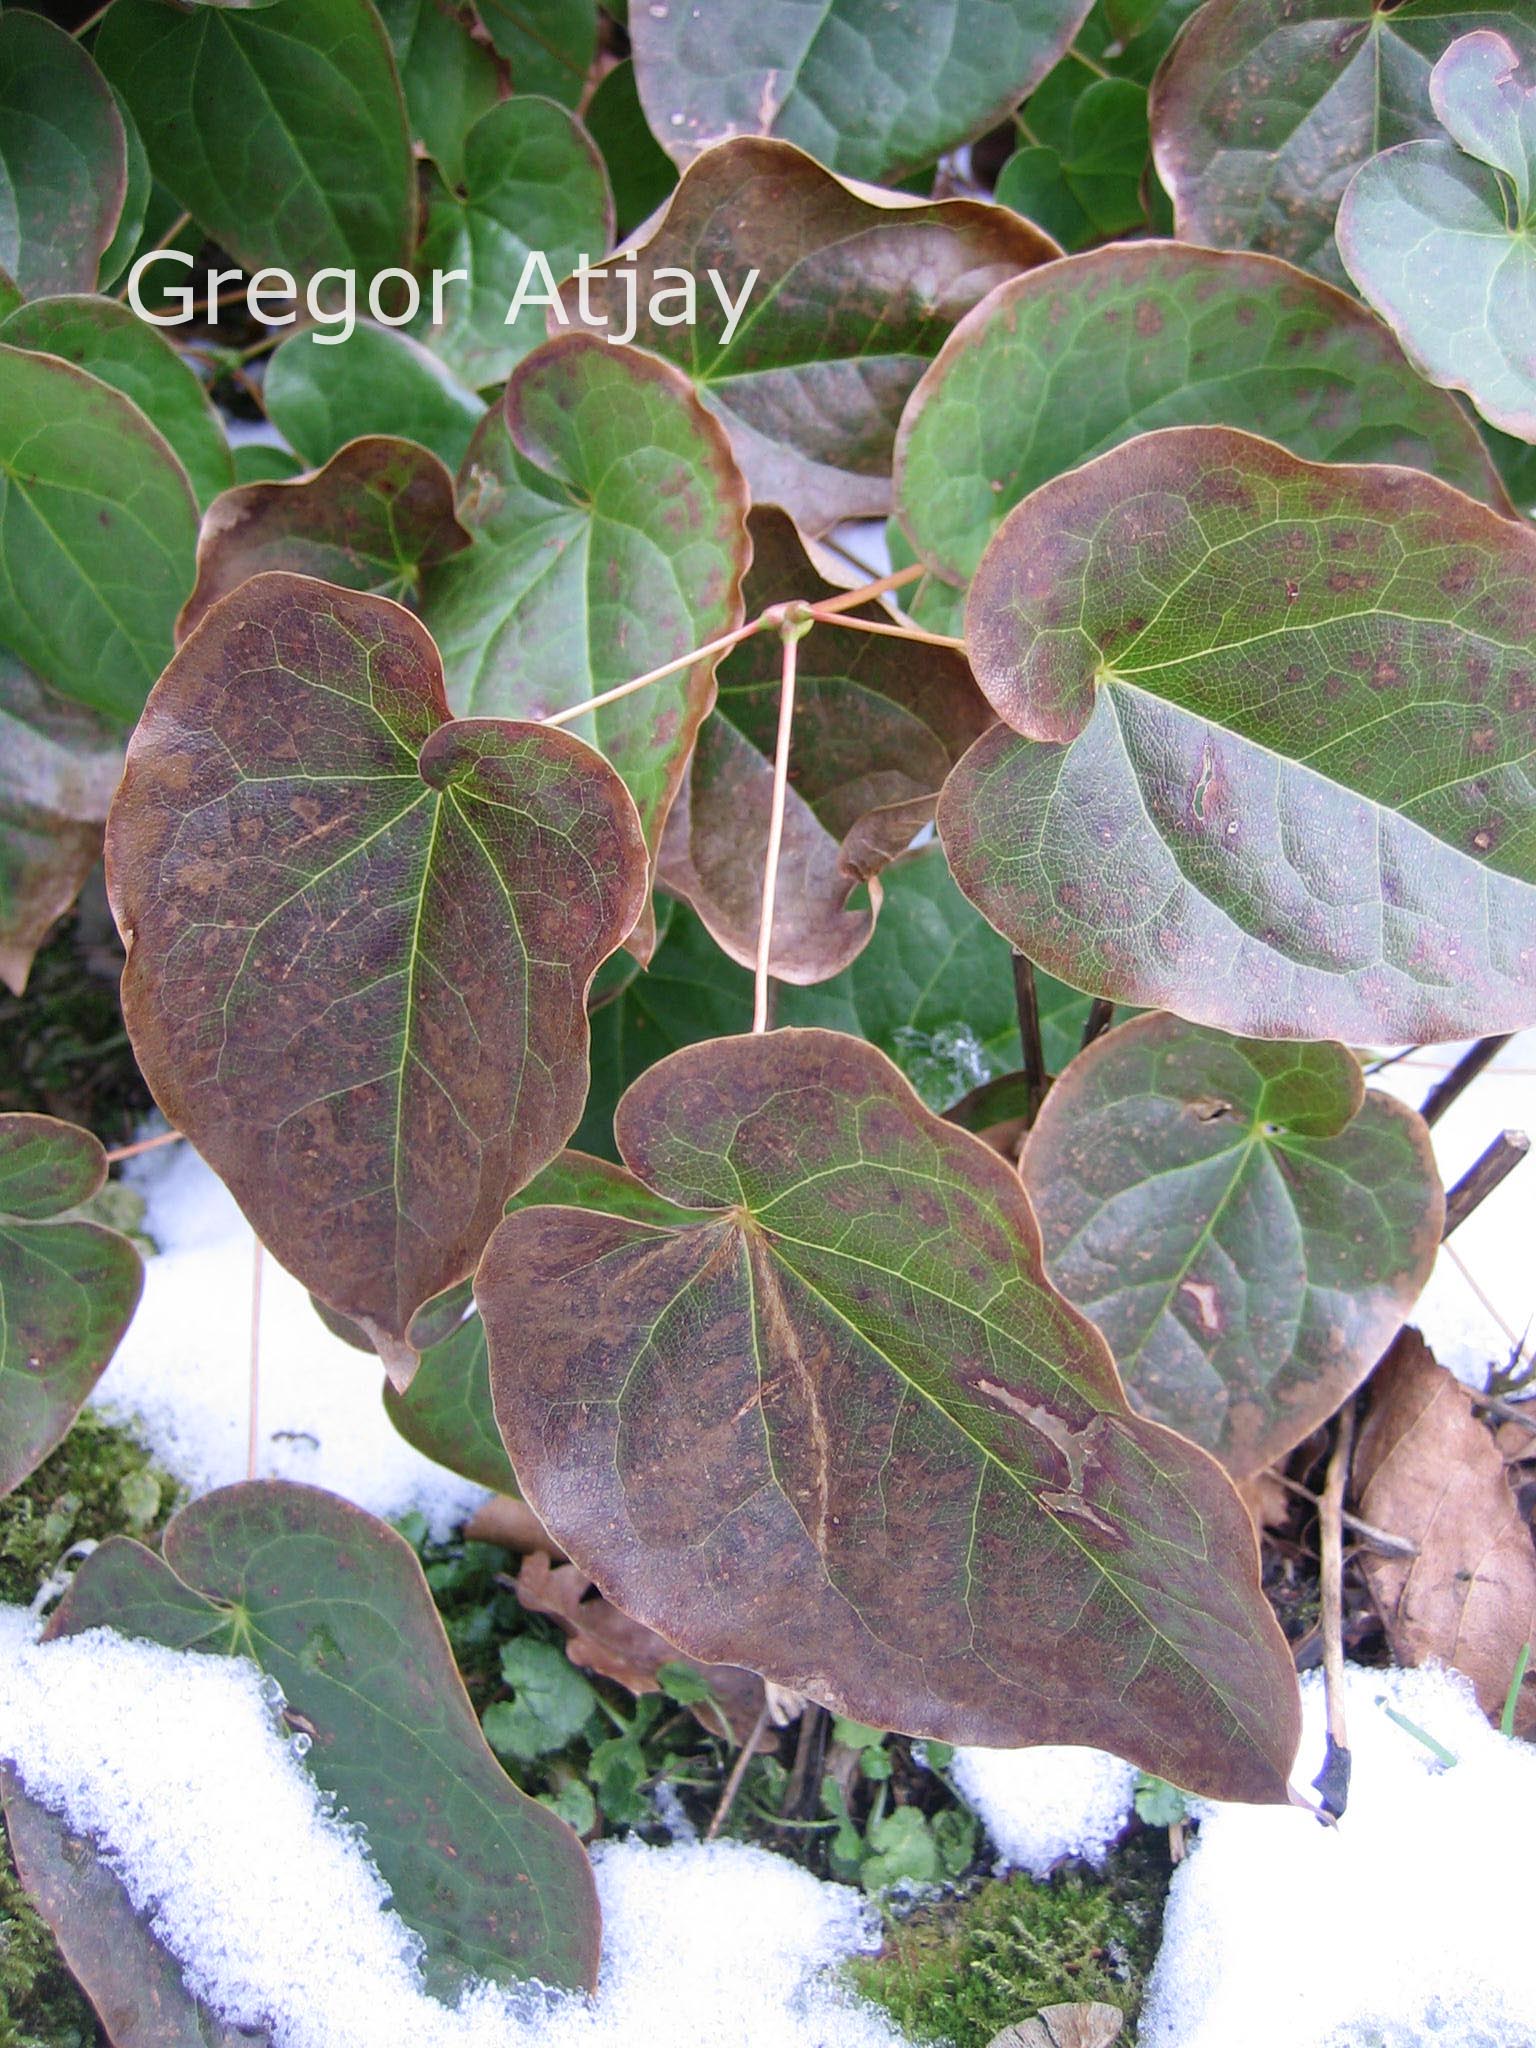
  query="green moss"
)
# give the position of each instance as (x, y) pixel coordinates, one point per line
(962, 1970)
(40, 2004)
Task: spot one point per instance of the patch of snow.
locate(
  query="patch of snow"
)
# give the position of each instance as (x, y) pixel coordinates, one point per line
(181, 1377)
(1392, 1929)
(1040, 1805)
(173, 1763)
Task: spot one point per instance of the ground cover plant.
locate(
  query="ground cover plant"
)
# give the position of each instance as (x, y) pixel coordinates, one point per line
(840, 1093)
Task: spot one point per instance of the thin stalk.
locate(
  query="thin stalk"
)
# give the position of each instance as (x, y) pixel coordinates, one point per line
(1101, 1014)
(1027, 1000)
(1089, 63)
(1486, 1173)
(656, 675)
(120, 1152)
(89, 22)
(252, 1432)
(792, 631)
(846, 599)
(738, 1771)
(1461, 1076)
(1332, 1781)
(889, 629)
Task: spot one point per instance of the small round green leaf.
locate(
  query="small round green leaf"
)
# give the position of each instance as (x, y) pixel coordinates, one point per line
(321, 393)
(449, 77)
(63, 158)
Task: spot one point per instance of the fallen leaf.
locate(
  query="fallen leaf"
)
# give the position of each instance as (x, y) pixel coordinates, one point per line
(1088, 2025)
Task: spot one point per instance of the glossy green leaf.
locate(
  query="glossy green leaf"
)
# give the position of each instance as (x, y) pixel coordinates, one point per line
(377, 517)
(360, 935)
(263, 462)
(112, 343)
(281, 129)
(872, 91)
(1093, 188)
(609, 527)
(1280, 719)
(1246, 1225)
(448, 75)
(322, 393)
(1067, 363)
(549, 44)
(879, 722)
(446, 1410)
(841, 297)
(333, 1605)
(68, 1288)
(138, 199)
(1439, 238)
(533, 183)
(98, 528)
(640, 172)
(63, 158)
(838, 1428)
(1266, 108)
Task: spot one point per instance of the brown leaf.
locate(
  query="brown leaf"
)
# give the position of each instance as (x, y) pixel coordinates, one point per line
(1087, 2025)
(1427, 1468)
(512, 1525)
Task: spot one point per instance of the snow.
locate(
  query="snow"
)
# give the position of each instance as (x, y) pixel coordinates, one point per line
(173, 1763)
(181, 1378)
(1040, 1805)
(1397, 1928)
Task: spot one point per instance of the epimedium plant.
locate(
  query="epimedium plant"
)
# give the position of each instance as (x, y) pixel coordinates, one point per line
(510, 748)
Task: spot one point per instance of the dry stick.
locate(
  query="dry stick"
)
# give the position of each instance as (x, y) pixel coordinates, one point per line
(1027, 1001)
(1332, 1781)
(1379, 1539)
(792, 631)
(1101, 1014)
(1482, 1177)
(1461, 1076)
(120, 1152)
(738, 1771)
(251, 1431)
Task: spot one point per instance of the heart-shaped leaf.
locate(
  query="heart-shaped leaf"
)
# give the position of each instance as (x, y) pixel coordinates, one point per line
(375, 518)
(1439, 238)
(63, 158)
(609, 523)
(321, 393)
(1265, 109)
(98, 529)
(360, 936)
(878, 724)
(1093, 187)
(68, 1288)
(1066, 363)
(838, 1428)
(534, 186)
(112, 343)
(550, 44)
(640, 172)
(874, 92)
(1279, 722)
(332, 1604)
(281, 129)
(446, 1410)
(1243, 1221)
(59, 765)
(448, 75)
(839, 296)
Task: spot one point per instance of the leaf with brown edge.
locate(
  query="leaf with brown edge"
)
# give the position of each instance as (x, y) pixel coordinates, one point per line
(854, 292)
(1427, 1469)
(375, 518)
(839, 1428)
(879, 723)
(68, 1287)
(360, 935)
(1272, 730)
(1243, 1221)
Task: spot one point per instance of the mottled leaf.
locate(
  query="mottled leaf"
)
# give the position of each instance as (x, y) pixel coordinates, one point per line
(844, 295)
(838, 1428)
(63, 158)
(448, 75)
(446, 1410)
(359, 936)
(1064, 364)
(533, 182)
(549, 44)
(98, 527)
(1439, 238)
(609, 524)
(68, 1288)
(1279, 718)
(332, 1604)
(1246, 1225)
(1266, 108)
(878, 724)
(375, 518)
(321, 393)
(873, 91)
(112, 343)
(281, 129)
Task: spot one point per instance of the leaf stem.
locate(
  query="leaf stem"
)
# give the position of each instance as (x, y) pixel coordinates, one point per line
(1332, 1781)
(793, 629)
(1461, 1076)
(1101, 1014)
(1027, 999)
(251, 1434)
(891, 631)
(120, 1152)
(1089, 63)
(90, 21)
(723, 645)
(744, 1756)
(1481, 1178)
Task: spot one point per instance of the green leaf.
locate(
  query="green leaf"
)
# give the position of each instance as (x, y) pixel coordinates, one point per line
(281, 129)
(553, 1702)
(63, 158)
(1265, 109)
(1159, 1804)
(138, 197)
(534, 188)
(261, 462)
(112, 343)
(1278, 718)
(1034, 183)
(879, 722)
(407, 912)
(618, 1771)
(842, 297)
(375, 518)
(1439, 239)
(1093, 188)
(450, 79)
(1045, 375)
(446, 1410)
(320, 394)
(98, 527)
(640, 172)
(610, 536)
(550, 44)
(902, 1850)
(1246, 1225)
(68, 1288)
(838, 1428)
(874, 92)
(332, 1604)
